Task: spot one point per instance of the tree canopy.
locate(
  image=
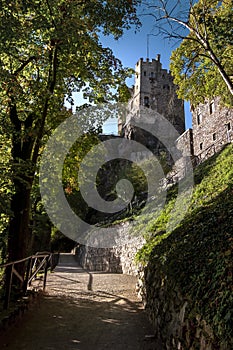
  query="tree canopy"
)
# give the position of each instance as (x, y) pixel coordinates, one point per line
(202, 64)
(49, 49)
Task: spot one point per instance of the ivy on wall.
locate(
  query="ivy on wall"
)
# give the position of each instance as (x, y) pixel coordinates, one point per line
(197, 254)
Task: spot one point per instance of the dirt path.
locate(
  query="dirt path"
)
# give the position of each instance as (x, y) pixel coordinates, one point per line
(84, 311)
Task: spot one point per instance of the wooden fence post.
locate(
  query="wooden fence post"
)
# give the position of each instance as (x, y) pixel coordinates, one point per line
(28, 271)
(45, 272)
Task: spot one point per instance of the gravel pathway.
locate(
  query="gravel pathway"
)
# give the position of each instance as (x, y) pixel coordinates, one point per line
(83, 311)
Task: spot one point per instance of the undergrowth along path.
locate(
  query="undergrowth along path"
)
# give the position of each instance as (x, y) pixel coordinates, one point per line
(84, 311)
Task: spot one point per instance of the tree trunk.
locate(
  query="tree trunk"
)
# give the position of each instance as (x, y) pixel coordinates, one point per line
(25, 150)
(19, 237)
(19, 234)
(19, 230)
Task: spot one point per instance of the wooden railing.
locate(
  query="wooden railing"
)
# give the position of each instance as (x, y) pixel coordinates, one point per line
(40, 262)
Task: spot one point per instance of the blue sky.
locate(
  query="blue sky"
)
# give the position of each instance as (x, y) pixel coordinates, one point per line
(132, 46)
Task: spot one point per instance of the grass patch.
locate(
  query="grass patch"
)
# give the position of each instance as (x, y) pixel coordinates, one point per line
(197, 253)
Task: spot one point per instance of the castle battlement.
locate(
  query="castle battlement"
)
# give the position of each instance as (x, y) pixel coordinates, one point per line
(141, 60)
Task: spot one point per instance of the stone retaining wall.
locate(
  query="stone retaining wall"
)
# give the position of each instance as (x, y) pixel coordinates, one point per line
(118, 259)
(98, 259)
(176, 325)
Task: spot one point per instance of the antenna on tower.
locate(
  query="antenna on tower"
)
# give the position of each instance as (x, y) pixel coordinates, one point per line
(148, 44)
(147, 49)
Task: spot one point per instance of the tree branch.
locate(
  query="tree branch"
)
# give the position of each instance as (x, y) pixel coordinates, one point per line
(25, 63)
(50, 85)
(51, 13)
(196, 25)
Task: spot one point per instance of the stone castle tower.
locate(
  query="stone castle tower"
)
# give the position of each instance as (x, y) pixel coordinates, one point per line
(154, 89)
(155, 92)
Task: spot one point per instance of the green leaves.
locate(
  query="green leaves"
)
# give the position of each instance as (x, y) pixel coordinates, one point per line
(197, 255)
(30, 33)
(202, 64)
(48, 49)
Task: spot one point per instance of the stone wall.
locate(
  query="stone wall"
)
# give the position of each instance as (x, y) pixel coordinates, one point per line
(154, 94)
(117, 259)
(176, 325)
(212, 127)
(154, 89)
(98, 259)
(185, 143)
(184, 164)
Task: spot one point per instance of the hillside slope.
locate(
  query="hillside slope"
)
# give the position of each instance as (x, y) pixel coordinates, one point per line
(196, 257)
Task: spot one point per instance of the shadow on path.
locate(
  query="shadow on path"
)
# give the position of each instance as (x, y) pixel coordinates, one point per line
(84, 311)
(60, 323)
